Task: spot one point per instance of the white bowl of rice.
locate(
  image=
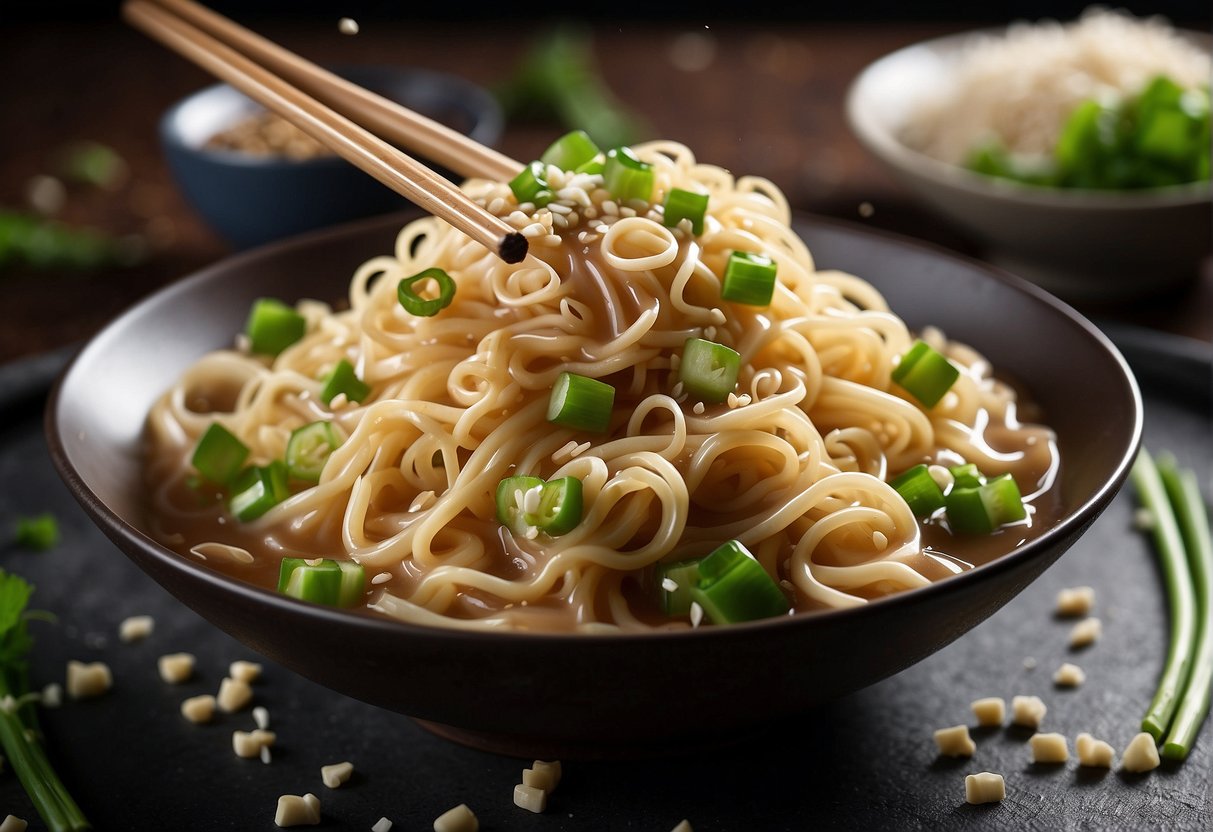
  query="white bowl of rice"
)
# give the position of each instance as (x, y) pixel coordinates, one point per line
(921, 111)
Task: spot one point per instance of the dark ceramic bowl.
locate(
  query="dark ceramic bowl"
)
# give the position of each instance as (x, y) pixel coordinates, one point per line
(249, 200)
(586, 695)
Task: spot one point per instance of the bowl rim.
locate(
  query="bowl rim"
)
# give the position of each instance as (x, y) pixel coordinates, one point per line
(885, 144)
(115, 527)
(489, 117)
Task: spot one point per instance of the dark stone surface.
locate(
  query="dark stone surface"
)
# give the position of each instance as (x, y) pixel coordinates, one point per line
(863, 762)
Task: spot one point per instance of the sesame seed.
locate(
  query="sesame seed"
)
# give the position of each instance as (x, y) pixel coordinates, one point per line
(733, 401)
(423, 501)
(880, 541)
(669, 584)
(262, 717)
(696, 614)
(265, 754)
(532, 532)
(698, 409)
(580, 449)
(347, 26)
(381, 578)
(677, 391)
(709, 333)
(530, 500)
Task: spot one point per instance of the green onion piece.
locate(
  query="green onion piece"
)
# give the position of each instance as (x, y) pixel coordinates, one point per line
(530, 185)
(966, 476)
(707, 370)
(1181, 597)
(19, 735)
(920, 491)
(219, 455)
(686, 205)
(93, 163)
(555, 507)
(925, 374)
(309, 449)
(511, 494)
(581, 403)
(674, 584)
(273, 326)
(560, 506)
(749, 278)
(414, 304)
(332, 583)
(258, 489)
(593, 166)
(626, 177)
(570, 151)
(343, 379)
(1185, 496)
(733, 587)
(39, 533)
(982, 509)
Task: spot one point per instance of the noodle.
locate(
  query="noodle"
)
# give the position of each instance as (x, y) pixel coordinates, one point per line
(792, 465)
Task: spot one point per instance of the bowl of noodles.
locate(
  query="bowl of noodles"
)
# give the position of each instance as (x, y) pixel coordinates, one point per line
(692, 467)
(1073, 154)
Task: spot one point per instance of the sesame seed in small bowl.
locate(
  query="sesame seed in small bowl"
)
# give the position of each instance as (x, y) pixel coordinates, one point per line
(254, 177)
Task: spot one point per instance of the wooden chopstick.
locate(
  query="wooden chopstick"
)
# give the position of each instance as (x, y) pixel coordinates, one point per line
(400, 172)
(394, 122)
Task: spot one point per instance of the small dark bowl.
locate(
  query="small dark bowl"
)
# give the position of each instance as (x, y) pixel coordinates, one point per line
(582, 695)
(249, 200)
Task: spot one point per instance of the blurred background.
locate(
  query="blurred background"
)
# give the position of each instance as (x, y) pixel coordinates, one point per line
(756, 88)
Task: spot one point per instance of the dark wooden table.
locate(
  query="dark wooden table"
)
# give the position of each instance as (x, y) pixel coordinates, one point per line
(769, 102)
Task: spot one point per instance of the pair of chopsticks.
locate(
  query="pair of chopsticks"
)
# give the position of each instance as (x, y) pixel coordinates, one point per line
(283, 83)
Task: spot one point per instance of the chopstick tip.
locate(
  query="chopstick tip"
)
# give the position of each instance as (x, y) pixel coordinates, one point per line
(513, 247)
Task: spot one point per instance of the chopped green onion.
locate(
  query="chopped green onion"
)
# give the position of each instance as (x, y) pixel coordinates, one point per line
(966, 476)
(309, 449)
(594, 166)
(219, 455)
(982, 509)
(685, 205)
(570, 151)
(560, 506)
(674, 584)
(258, 489)
(925, 373)
(1184, 493)
(414, 304)
(734, 587)
(626, 177)
(343, 379)
(511, 492)
(749, 278)
(920, 491)
(555, 508)
(707, 370)
(1181, 596)
(334, 583)
(531, 185)
(273, 326)
(39, 533)
(93, 163)
(581, 403)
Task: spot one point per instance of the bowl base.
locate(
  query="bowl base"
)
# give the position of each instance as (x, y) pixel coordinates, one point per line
(540, 748)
